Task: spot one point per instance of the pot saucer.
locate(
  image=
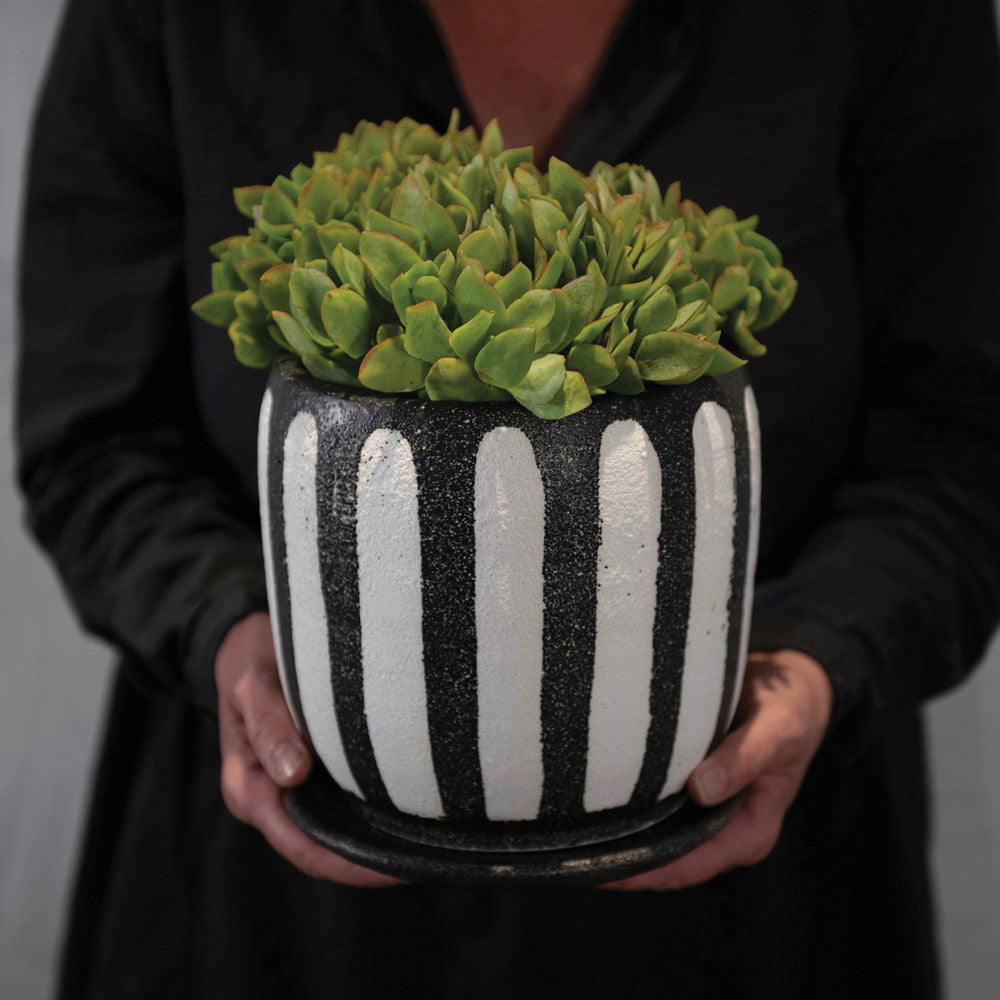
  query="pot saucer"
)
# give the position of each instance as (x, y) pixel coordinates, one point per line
(323, 811)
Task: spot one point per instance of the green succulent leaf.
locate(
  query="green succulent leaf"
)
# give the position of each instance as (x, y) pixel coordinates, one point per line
(596, 327)
(484, 246)
(440, 228)
(408, 202)
(694, 292)
(427, 336)
(627, 209)
(771, 253)
(744, 338)
(348, 321)
(277, 208)
(514, 283)
(720, 216)
(318, 195)
(306, 289)
(386, 330)
(548, 219)
(586, 299)
(474, 294)
(566, 185)
(657, 312)
(389, 367)
(571, 397)
(224, 278)
(250, 269)
(730, 288)
(430, 288)
(724, 244)
(251, 347)
(634, 291)
(249, 309)
(467, 340)
(514, 213)
(273, 288)
(349, 269)
(455, 379)
(505, 359)
(543, 380)
(629, 381)
(293, 334)
(554, 337)
(492, 141)
(377, 222)
(594, 363)
(623, 348)
(535, 309)
(777, 295)
(423, 140)
(619, 327)
(247, 199)
(559, 262)
(338, 233)
(512, 158)
(724, 361)
(673, 357)
(328, 370)
(526, 180)
(687, 313)
(217, 308)
(386, 256)
(401, 296)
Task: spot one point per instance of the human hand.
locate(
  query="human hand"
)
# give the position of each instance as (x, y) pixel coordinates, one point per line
(784, 711)
(262, 753)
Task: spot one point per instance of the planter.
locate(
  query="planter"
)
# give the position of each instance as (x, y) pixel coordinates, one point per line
(508, 640)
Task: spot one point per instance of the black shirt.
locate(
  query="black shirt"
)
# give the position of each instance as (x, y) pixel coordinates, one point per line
(866, 138)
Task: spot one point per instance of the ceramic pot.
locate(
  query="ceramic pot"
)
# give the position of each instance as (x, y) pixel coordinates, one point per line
(505, 634)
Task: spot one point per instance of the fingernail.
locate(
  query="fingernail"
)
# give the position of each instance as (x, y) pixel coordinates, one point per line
(287, 759)
(710, 783)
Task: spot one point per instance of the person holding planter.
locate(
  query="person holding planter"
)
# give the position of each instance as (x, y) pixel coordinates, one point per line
(877, 584)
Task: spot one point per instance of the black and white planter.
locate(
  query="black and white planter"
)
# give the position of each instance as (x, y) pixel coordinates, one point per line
(508, 641)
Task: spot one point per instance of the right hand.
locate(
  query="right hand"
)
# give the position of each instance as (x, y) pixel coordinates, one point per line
(263, 753)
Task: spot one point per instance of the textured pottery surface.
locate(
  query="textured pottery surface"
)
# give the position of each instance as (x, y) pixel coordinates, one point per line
(500, 633)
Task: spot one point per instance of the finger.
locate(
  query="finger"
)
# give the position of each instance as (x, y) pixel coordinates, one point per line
(252, 797)
(772, 735)
(747, 840)
(269, 728)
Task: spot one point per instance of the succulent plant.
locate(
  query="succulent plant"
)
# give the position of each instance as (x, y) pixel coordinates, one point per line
(408, 261)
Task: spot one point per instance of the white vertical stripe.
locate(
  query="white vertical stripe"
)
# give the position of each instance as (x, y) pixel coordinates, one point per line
(390, 591)
(630, 499)
(753, 538)
(708, 619)
(310, 641)
(510, 538)
(264, 490)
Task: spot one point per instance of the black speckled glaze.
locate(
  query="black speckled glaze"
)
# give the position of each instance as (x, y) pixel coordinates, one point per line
(444, 439)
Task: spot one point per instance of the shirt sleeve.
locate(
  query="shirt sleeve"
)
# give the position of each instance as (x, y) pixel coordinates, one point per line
(899, 591)
(156, 542)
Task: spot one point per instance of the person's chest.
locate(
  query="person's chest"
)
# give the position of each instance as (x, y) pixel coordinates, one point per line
(529, 65)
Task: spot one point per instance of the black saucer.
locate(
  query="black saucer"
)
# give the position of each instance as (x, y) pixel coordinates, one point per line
(323, 811)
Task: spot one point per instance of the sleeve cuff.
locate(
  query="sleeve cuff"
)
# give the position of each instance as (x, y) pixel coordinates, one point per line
(210, 627)
(845, 658)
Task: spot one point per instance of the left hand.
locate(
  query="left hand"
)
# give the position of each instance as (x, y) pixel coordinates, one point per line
(784, 712)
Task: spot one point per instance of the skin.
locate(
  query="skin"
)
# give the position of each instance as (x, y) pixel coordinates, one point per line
(513, 62)
(784, 711)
